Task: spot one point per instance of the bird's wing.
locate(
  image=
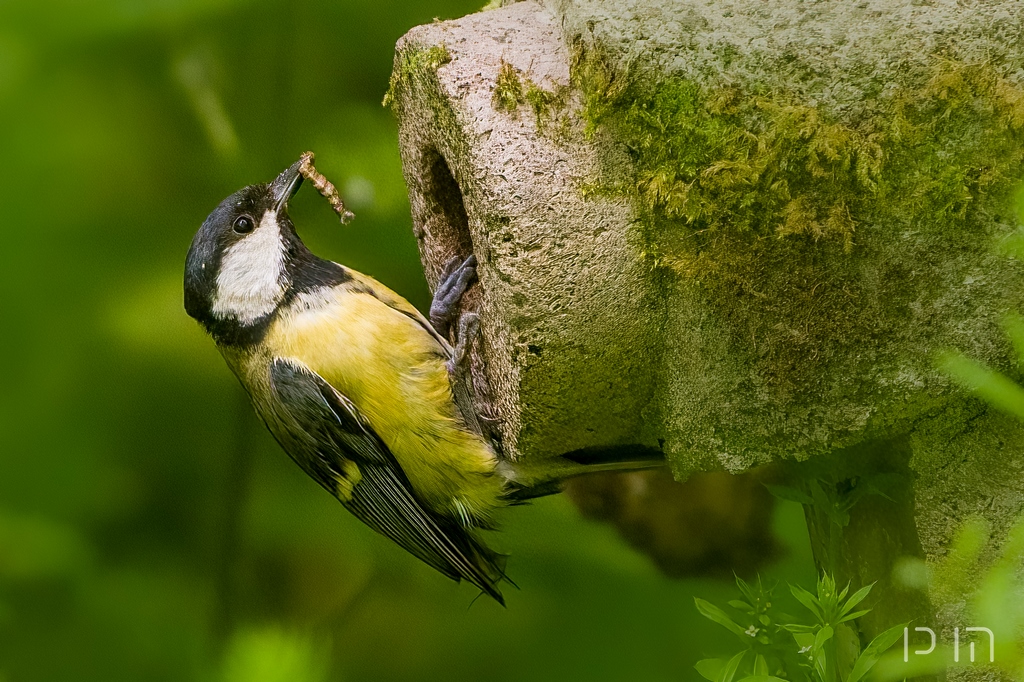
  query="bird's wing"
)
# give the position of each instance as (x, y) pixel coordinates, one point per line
(368, 285)
(462, 387)
(334, 443)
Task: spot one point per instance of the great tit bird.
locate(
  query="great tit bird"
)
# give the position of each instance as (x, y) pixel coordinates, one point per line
(357, 386)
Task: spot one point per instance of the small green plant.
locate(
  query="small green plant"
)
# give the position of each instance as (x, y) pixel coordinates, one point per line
(767, 645)
(778, 647)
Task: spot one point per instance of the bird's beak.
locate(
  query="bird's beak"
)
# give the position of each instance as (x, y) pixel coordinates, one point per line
(285, 186)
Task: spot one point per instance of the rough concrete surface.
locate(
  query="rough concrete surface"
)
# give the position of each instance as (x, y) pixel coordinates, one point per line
(566, 325)
(792, 348)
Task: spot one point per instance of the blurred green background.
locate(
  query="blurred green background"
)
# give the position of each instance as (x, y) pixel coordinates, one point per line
(149, 528)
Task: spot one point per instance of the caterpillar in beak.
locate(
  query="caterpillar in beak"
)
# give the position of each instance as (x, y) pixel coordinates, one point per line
(325, 187)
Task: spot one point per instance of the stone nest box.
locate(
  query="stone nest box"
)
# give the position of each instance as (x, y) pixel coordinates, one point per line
(739, 232)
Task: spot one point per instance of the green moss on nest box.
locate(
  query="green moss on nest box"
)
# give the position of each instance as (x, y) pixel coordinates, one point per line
(721, 159)
(540, 100)
(512, 89)
(825, 253)
(508, 89)
(410, 62)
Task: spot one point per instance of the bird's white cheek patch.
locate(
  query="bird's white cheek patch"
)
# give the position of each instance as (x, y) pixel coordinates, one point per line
(251, 281)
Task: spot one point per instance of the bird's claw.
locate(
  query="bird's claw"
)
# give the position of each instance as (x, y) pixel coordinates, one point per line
(453, 284)
(489, 420)
(469, 329)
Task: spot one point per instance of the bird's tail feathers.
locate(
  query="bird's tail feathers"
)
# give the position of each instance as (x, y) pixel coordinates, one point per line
(490, 568)
(527, 483)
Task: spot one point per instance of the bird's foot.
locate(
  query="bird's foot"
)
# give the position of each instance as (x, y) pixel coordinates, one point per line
(452, 285)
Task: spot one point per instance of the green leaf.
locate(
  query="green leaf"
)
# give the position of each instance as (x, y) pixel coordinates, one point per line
(795, 628)
(857, 598)
(1014, 326)
(760, 665)
(764, 620)
(709, 668)
(821, 665)
(741, 605)
(728, 671)
(823, 636)
(747, 591)
(874, 651)
(826, 502)
(1013, 244)
(820, 499)
(854, 615)
(804, 640)
(993, 387)
(880, 484)
(712, 612)
(818, 651)
(807, 599)
(789, 494)
(762, 678)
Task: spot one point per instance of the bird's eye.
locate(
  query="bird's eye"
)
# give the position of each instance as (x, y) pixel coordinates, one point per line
(243, 224)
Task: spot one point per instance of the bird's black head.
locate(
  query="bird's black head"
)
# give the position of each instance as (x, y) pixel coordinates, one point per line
(245, 259)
